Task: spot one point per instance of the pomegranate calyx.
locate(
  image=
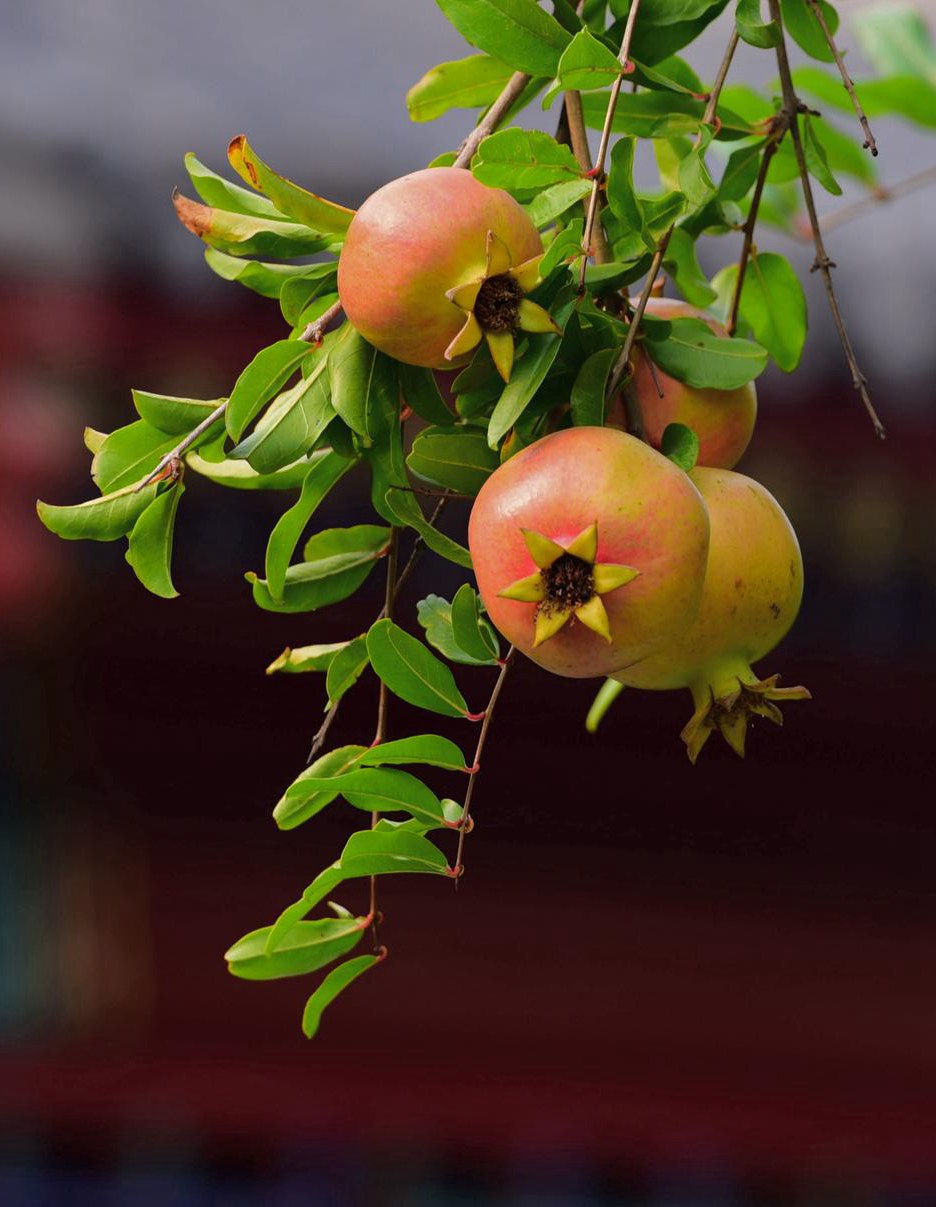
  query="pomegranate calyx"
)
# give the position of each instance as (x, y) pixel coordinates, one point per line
(568, 582)
(730, 713)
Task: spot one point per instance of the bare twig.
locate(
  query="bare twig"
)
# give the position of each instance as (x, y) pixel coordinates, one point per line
(751, 221)
(879, 197)
(315, 331)
(822, 261)
(578, 139)
(492, 119)
(869, 142)
(177, 453)
(465, 823)
(708, 116)
(598, 169)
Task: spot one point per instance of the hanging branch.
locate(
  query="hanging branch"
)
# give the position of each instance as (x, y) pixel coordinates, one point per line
(879, 197)
(776, 136)
(492, 119)
(465, 824)
(822, 262)
(869, 142)
(598, 170)
(709, 117)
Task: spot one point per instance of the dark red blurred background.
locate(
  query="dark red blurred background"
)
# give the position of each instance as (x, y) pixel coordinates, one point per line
(656, 985)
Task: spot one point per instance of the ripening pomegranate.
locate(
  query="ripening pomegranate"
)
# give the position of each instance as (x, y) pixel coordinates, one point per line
(436, 261)
(752, 593)
(589, 550)
(722, 419)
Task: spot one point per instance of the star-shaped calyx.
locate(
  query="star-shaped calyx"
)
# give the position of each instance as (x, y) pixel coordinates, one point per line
(567, 583)
(730, 713)
(495, 306)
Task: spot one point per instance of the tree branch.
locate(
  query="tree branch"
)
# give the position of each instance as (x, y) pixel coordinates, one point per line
(315, 331)
(598, 169)
(492, 119)
(465, 824)
(869, 142)
(751, 221)
(580, 149)
(822, 262)
(176, 453)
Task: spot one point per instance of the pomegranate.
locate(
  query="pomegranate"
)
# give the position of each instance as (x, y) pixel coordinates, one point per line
(589, 550)
(723, 420)
(436, 261)
(752, 593)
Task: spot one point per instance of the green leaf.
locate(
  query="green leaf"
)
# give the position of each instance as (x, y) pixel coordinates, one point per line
(471, 635)
(336, 982)
(316, 285)
(405, 665)
(320, 478)
(900, 96)
(457, 458)
(419, 390)
(801, 24)
(666, 12)
(462, 84)
(383, 790)
(241, 476)
(681, 445)
(435, 615)
(407, 511)
(752, 29)
(550, 203)
(305, 947)
(588, 393)
(681, 263)
(567, 245)
(521, 160)
(246, 235)
(363, 384)
(740, 172)
(103, 519)
(129, 454)
(774, 306)
(895, 40)
(585, 64)
(306, 658)
(301, 800)
(265, 279)
(337, 561)
(622, 198)
(816, 160)
(695, 181)
(607, 694)
(291, 199)
(660, 115)
(150, 550)
(345, 669)
(93, 440)
(528, 374)
(692, 353)
(215, 190)
(265, 376)
(428, 749)
(844, 153)
(176, 416)
(666, 32)
(292, 423)
(517, 31)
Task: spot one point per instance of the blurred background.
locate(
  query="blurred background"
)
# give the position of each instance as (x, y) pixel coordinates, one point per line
(657, 985)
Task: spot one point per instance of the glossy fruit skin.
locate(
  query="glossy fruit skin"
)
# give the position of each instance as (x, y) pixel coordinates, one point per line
(412, 240)
(649, 516)
(722, 419)
(752, 593)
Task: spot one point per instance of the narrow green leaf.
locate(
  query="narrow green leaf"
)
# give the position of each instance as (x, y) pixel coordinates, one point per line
(265, 279)
(740, 172)
(588, 393)
(383, 790)
(363, 384)
(470, 634)
(681, 445)
(585, 64)
(103, 519)
(215, 190)
(302, 800)
(305, 947)
(462, 84)
(420, 392)
(93, 440)
(435, 615)
(681, 263)
(241, 476)
(752, 29)
(622, 198)
(176, 416)
(406, 511)
(337, 561)
(457, 458)
(521, 160)
(695, 180)
(345, 669)
(291, 199)
(410, 671)
(547, 206)
(129, 454)
(428, 748)
(319, 480)
(774, 306)
(247, 235)
(306, 658)
(265, 376)
(607, 694)
(816, 161)
(376, 852)
(150, 549)
(800, 22)
(517, 31)
(692, 353)
(336, 982)
(291, 424)
(297, 294)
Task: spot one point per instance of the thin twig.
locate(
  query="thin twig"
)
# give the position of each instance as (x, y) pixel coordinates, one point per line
(869, 142)
(751, 221)
(822, 261)
(879, 197)
(176, 453)
(492, 119)
(708, 116)
(315, 331)
(579, 143)
(598, 169)
(465, 823)
(434, 493)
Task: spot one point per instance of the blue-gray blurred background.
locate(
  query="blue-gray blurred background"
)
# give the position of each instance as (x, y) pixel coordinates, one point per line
(658, 985)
